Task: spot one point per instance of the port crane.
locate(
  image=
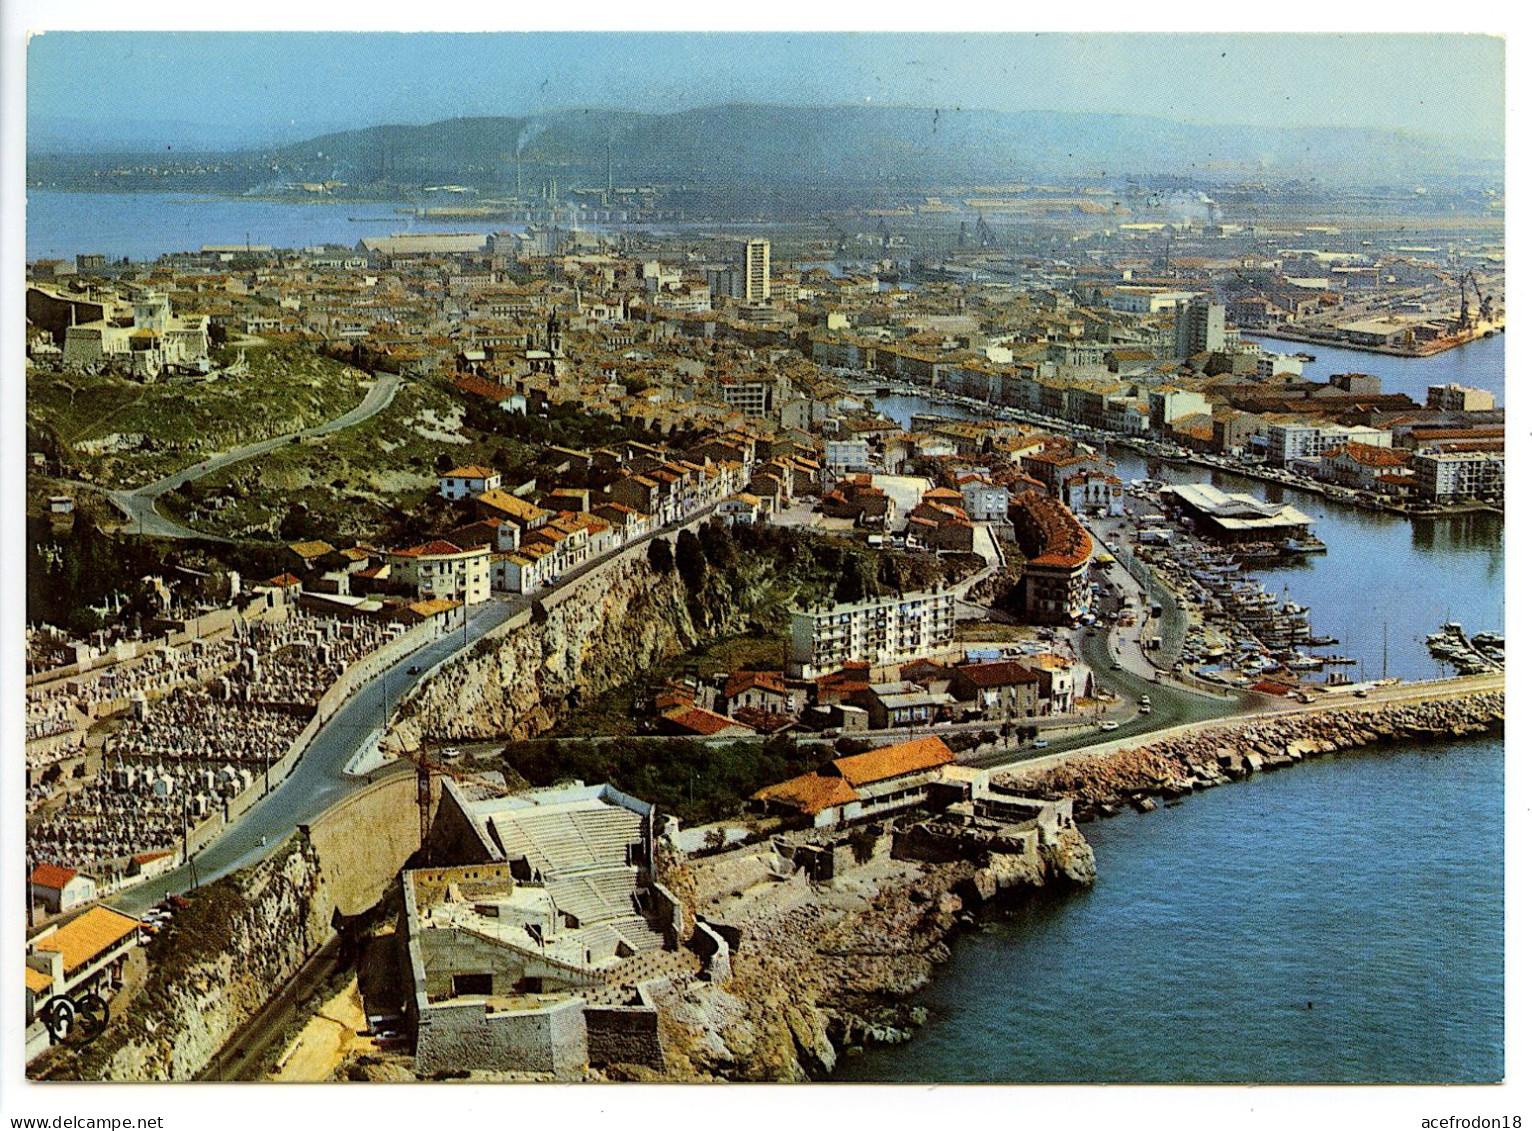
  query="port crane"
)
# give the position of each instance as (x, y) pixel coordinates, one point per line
(1486, 302)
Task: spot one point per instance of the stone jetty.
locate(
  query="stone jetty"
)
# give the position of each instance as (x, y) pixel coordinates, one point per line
(1136, 777)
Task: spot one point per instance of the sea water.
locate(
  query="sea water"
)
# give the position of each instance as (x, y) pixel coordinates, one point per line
(1340, 921)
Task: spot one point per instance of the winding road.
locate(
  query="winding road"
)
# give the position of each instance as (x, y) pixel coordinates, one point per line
(139, 504)
(319, 779)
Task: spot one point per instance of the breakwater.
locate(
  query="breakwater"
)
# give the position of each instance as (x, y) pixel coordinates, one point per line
(1139, 777)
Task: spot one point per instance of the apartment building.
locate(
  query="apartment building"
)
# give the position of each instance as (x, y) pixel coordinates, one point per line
(1447, 476)
(443, 569)
(882, 630)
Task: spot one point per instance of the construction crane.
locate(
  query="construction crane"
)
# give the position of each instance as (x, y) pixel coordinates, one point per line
(425, 767)
(985, 234)
(1462, 323)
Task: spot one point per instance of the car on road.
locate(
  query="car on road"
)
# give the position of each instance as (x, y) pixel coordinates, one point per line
(1109, 724)
(1146, 708)
(413, 669)
(1039, 744)
(1116, 666)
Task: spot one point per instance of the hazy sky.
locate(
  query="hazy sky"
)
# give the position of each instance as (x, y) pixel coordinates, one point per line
(261, 85)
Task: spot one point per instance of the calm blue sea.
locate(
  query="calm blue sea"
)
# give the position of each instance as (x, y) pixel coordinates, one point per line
(1337, 922)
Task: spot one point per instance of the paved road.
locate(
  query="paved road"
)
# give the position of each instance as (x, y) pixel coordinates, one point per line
(318, 780)
(139, 504)
(1257, 708)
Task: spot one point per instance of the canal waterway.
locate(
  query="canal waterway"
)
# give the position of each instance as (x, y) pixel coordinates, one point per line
(1386, 582)
(1337, 922)
(1370, 885)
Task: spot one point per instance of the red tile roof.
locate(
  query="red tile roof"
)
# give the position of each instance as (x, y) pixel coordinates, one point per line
(52, 876)
(699, 720)
(894, 761)
(743, 681)
(809, 793)
(1003, 673)
(434, 547)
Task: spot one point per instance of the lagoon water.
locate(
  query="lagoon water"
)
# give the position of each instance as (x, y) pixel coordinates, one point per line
(144, 226)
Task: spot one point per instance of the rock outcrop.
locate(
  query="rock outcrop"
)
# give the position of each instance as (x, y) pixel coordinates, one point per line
(600, 633)
(211, 971)
(831, 973)
(1212, 756)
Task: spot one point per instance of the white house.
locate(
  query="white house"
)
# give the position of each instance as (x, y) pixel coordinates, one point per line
(465, 482)
(60, 889)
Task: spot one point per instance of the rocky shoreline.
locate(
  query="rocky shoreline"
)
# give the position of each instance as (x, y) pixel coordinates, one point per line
(833, 974)
(829, 974)
(1140, 777)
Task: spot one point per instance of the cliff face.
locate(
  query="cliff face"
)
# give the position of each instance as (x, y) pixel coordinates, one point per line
(832, 971)
(211, 971)
(605, 631)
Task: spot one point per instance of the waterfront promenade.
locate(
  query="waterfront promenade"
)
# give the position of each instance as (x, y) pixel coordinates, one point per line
(1397, 695)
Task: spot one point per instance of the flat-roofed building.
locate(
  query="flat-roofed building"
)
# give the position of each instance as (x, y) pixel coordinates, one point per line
(1453, 397)
(878, 631)
(1235, 517)
(1445, 476)
(524, 953)
(755, 267)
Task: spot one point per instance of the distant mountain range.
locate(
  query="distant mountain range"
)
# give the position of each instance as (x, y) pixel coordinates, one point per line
(784, 147)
